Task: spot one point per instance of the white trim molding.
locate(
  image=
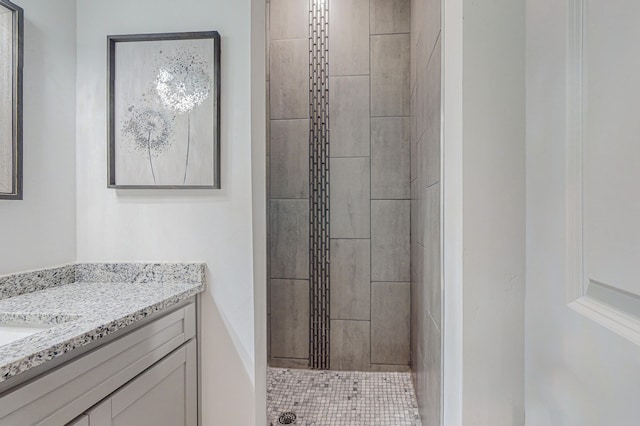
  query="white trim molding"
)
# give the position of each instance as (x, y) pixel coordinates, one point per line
(575, 79)
(608, 306)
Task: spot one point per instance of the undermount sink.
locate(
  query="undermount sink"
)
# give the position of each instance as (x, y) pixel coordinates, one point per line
(14, 326)
(11, 333)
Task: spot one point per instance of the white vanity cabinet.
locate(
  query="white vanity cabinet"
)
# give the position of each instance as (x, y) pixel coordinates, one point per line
(147, 376)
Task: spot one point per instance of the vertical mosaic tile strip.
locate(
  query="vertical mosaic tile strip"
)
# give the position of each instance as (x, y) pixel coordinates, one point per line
(319, 184)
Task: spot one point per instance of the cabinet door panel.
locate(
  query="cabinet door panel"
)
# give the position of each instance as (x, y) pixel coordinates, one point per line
(161, 405)
(161, 396)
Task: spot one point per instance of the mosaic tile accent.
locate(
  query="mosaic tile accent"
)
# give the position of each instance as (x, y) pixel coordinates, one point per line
(110, 297)
(28, 282)
(319, 241)
(341, 398)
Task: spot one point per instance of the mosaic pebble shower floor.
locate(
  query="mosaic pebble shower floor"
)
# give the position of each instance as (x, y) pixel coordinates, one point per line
(341, 398)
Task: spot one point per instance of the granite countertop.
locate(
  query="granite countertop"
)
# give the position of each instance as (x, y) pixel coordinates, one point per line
(85, 302)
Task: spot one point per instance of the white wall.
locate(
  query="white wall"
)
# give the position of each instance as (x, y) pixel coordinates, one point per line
(577, 372)
(493, 212)
(210, 226)
(40, 231)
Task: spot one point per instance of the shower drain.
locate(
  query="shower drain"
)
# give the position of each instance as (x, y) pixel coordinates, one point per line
(287, 418)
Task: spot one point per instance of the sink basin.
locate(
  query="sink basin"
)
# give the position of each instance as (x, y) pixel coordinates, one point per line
(15, 326)
(11, 333)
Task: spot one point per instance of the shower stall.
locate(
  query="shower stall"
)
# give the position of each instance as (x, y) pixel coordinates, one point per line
(353, 166)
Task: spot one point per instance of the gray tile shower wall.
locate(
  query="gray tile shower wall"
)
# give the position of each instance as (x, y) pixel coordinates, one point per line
(390, 75)
(390, 16)
(290, 318)
(370, 183)
(351, 279)
(390, 243)
(289, 243)
(289, 159)
(288, 183)
(390, 158)
(350, 213)
(426, 294)
(390, 305)
(349, 116)
(289, 63)
(349, 37)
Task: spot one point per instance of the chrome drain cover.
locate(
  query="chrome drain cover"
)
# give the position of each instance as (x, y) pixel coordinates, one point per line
(287, 418)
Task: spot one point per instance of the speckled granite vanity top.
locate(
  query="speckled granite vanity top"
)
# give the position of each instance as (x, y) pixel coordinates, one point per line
(78, 304)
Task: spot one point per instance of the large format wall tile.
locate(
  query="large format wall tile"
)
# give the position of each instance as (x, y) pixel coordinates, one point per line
(349, 116)
(421, 191)
(390, 305)
(289, 158)
(390, 243)
(299, 363)
(268, 147)
(417, 304)
(289, 239)
(290, 318)
(430, 22)
(433, 371)
(350, 345)
(433, 118)
(289, 19)
(420, 385)
(414, 139)
(416, 6)
(289, 78)
(425, 227)
(349, 37)
(390, 16)
(390, 75)
(268, 327)
(350, 279)
(350, 198)
(268, 48)
(432, 252)
(390, 158)
(420, 111)
(390, 368)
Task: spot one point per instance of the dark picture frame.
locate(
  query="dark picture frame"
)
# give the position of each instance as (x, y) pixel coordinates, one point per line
(164, 110)
(12, 113)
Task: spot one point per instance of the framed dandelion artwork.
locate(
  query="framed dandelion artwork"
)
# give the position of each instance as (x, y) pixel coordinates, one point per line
(164, 110)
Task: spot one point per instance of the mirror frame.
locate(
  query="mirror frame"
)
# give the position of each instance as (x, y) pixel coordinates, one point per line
(18, 61)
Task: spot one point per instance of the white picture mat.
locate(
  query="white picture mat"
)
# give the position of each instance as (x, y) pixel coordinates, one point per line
(6, 101)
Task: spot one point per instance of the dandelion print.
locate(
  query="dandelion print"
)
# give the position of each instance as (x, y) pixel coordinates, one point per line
(149, 130)
(183, 84)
